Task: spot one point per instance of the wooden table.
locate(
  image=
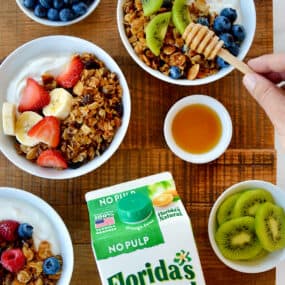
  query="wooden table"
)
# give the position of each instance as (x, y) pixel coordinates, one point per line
(251, 154)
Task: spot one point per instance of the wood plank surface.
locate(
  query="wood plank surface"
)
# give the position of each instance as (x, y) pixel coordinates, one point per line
(251, 154)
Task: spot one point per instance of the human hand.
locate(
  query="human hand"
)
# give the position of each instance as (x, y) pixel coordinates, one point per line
(270, 69)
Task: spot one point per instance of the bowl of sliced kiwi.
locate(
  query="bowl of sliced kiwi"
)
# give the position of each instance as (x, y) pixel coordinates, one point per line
(247, 226)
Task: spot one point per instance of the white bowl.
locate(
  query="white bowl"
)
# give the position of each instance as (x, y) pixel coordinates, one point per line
(58, 45)
(48, 22)
(262, 264)
(56, 223)
(248, 14)
(224, 117)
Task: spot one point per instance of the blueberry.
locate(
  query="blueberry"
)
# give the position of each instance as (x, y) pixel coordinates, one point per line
(46, 3)
(79, 8)
(40, 11)
(203, 21)
(227, 39)
(53, 14)
(25, 231)
(58, 4)
(230, 13)
(30, 4)
(238, 32)
(175, 72)
(221, 63)
(51, 266)
(66, 15)
(70, 2)
(234, 49)
(222, 25)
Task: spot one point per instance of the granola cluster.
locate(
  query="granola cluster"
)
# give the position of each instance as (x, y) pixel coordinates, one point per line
(173, 52)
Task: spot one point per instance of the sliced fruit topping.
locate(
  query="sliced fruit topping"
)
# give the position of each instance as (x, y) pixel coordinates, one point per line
(9, 118)
(24, 123)
(47, 131)
(69, 77)
(13, 260)
(52, 158)
(180, 15)
(156, 31)
(151, 6)
(8, 230)
(60, 104)
(34, 97)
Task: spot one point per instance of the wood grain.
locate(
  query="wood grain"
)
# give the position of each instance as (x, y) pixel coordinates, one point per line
(251, 154)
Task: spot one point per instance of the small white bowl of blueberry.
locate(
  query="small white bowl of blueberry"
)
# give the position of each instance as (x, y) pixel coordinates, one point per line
(57, 12)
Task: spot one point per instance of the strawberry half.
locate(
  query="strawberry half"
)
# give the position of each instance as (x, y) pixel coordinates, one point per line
(34, 97)
(47, 130)
(69, 77)
(8, 230)
(13, 259)
(52, 158)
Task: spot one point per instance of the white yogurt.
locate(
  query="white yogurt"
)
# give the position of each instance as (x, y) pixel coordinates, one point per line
(23, 213)
(35, 69)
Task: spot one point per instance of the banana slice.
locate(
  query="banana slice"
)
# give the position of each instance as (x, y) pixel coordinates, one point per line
(60, 104)
(24, 123)
(9, 118)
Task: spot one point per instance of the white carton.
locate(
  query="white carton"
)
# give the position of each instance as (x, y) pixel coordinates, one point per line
(141, 234)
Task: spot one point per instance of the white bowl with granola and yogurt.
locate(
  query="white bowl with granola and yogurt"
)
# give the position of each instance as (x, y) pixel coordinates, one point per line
(65, 107)
(152, 32)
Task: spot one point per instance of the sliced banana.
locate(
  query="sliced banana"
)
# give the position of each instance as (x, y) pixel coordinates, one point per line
(23, 124)
(60, 104)
(9, 118)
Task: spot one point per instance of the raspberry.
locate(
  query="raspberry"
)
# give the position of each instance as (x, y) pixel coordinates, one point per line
(13, 259)
(8, 230)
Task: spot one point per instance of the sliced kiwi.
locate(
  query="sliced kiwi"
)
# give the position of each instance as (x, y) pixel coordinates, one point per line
(248, 203)
(237, 239)
(225, 210)
(151, 6)
(180, 15)
(270, 226)
(156, 31)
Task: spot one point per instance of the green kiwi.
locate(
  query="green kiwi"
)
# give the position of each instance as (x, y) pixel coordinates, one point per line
(224, 212)
(270, 226)
(151, 6)
(237, 239)
(180, 15)
(248, 203)
(156, 31)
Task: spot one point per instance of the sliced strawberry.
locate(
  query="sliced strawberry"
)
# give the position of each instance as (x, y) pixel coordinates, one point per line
(52, 158)
(69, 77)
(47, 130)
(34, 97)
(13, 259)
(8, 230)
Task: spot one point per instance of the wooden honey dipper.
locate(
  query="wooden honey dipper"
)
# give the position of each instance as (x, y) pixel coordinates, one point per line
(204, 41)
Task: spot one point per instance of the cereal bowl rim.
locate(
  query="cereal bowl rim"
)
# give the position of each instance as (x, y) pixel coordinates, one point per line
(246, 45)
(57, 222)
(50, 23)
(220, 111)
(271, 260)
(71, 45)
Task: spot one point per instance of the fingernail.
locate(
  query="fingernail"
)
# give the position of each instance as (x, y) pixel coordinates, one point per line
(249, 82)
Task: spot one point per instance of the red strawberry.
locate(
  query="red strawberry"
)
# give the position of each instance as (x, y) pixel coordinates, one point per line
(34, 97)
(8, 230)
(47, 130)
(69, 77)
(51, 158)
(13, 259)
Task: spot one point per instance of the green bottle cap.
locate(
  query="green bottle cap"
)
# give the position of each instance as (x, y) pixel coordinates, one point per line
(134, 208)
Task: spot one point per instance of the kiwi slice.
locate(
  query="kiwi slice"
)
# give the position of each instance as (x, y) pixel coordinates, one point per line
(151, 6)
(248, 203)
(156, 31)
(270, 226)
(180, 15)
(225, 210)
(237, 239)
